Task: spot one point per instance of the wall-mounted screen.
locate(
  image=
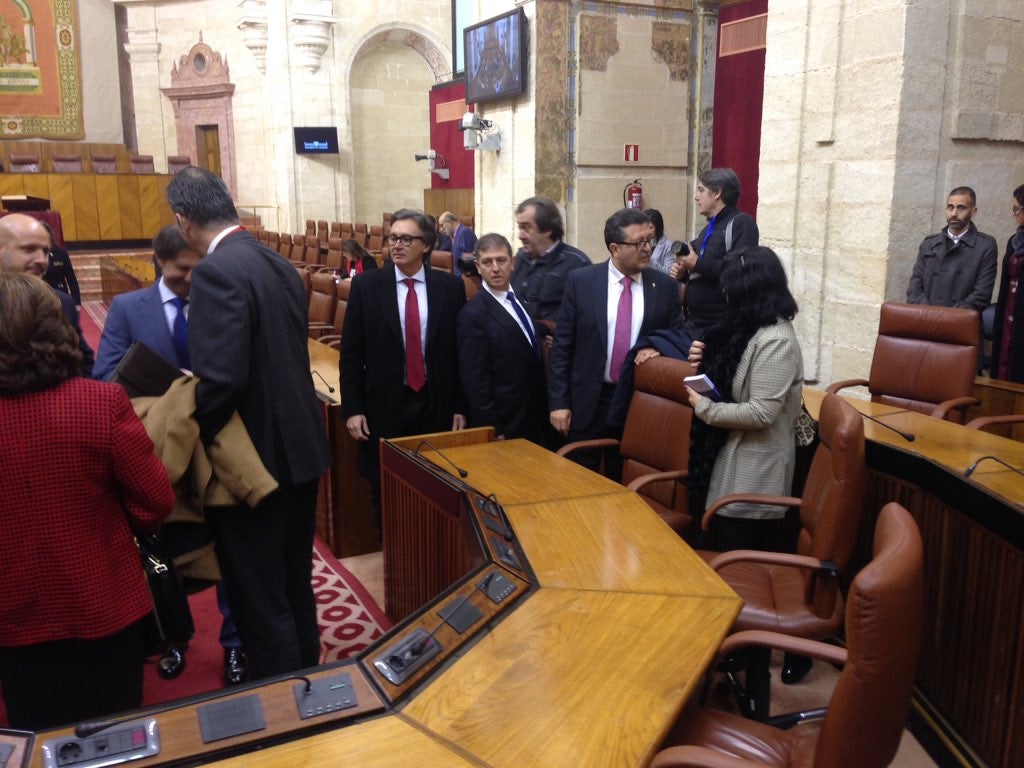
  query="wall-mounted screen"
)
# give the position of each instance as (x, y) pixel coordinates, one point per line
(316, 141)
(496, 58)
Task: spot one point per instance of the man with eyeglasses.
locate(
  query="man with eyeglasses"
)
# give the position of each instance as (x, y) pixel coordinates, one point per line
(25, 247)
(956, 267)
(500, 359)
(728, 229)
(399, 368)
(605, 309)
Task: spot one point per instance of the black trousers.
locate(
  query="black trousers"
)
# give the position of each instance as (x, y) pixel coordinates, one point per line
(598, 428)
(266, 560)
(71, 681)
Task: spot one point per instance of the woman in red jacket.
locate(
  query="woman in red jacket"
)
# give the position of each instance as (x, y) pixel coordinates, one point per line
(75, 465)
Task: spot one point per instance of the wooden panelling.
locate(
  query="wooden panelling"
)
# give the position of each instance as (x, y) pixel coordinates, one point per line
(999, 398)
(458, 201)
(108, 208)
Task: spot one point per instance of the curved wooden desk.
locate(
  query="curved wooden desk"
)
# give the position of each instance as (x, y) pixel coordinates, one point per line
(590, 668)
(970, 680)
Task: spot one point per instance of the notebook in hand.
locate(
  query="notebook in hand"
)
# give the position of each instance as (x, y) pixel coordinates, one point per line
(143, 373)
(703, 385)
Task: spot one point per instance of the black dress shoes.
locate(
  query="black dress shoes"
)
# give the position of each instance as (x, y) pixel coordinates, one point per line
(236, 667)
(172, 663)
(795, 668)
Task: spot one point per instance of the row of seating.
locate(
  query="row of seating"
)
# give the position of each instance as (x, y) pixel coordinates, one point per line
(100, 163)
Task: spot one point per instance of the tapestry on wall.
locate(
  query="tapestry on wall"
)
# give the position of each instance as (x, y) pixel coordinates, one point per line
(40, 73)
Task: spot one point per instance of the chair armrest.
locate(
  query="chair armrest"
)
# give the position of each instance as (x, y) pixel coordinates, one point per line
(834, 387)
(321, 326)
(773, 558)
(698, 757)
(752, 498)
(940, 410)
(604, 442)
(983, 421)
(653, 477)
(799, 645)
(328, 339)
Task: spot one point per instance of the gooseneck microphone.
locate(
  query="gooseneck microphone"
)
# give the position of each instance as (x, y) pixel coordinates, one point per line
(905, 435)
(84, 730)
(462, 472)
(329, 387)
(970, 470)
(509, 534)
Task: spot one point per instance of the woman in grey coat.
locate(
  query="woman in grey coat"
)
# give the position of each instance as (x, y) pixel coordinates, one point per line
(745, 442)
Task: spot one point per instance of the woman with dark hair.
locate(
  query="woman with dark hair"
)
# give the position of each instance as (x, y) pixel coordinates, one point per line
(662, 256)
(1007, 345)
(77, 471)
(359, 259)
(745, 443)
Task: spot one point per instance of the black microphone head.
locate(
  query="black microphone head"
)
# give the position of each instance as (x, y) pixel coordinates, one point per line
(910, 438)
(463, 473)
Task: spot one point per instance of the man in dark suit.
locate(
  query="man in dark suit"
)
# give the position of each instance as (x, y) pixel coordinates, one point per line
(25, 247)
(605, 309)
(248, 345)
(400, 377)
(463, 241)
(157, 316)
(499, 354)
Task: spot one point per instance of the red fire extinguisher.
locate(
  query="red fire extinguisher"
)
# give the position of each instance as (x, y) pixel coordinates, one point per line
(633, 195)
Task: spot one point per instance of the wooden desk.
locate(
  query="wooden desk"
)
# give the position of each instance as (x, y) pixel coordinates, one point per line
(99, 206)
(591, 668)
(970, 680)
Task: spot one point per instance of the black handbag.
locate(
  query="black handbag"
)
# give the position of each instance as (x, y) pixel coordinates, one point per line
(171, 623)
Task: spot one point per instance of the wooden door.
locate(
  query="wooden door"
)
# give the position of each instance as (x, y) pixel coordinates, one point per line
(208, 147)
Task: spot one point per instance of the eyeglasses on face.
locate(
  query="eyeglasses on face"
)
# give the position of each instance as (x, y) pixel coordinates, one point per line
(649, 242)
(405, 240)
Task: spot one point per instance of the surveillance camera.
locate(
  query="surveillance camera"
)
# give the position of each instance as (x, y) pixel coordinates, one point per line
(470, 122)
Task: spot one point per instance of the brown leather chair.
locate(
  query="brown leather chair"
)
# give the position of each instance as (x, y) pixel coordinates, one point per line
(142, 164)
(799, 594)
(176, 163)
(311, 252)
(925, 360)
(335, 230)
(24, 162)
(70, 163)
(655, 443)
(305, 276)
(334, 259)
(985, 421)
(104, 163)
(273, 239)
(284, 244)
(298, 251)
(868, 709)
(333, 340)
(321, 231)
(344, 288)
(441, 260)
(323, 301)
(472, 284)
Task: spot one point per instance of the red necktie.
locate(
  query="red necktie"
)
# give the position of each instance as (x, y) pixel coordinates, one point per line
(623, 329)
(414, 374)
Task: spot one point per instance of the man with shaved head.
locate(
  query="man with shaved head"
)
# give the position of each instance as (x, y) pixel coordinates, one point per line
(25, 247)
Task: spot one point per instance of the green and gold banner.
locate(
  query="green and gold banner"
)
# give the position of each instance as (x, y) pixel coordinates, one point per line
(40, 73)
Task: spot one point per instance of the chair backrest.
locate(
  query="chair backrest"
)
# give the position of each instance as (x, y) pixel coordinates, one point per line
(284, 244)
(67, 163)
(833, 498)
(273, 238)
(656, 437)
(310, 228)
(335, 258)
(335, 230)
(305, 276)
(924, 355)
(344, 288)
(298, 251)
(104, 163)
(472, 283)
(361, 233)
(323, 299)
(142, 164)
(176, 163)
(346, 230)
(321, 231)
(884, 616)
(441, 260)
(311, 253)
(24, 163)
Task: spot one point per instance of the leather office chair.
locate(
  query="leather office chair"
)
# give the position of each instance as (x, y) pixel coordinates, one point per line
(273, 239)
(333, 340)
(298, 251)
(655, 445)
(925, 360)
(142, 164)
(472, 283)
(284, 244)
(334, 260)
(305, 276)
(104, 163)
(311, 252)
(344, 288)
(67, 163)
(868, 708)
(335, 230)
(800, 594)
(176, 163)
(24, 163)
(346, 231)
(321, 231)
(441, 260)
(323, 301)
(310, 228)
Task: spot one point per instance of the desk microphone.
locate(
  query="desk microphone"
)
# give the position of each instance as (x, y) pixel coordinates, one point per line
(84, 730)
(905, 435)
(970, 470)
(509, 535)
(462, 472)
(329, 387)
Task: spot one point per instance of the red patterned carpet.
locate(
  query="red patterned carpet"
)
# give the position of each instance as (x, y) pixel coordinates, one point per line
(349, 621)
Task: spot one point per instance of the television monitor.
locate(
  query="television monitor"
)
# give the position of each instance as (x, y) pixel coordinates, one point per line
(496, 58)
(316, 141)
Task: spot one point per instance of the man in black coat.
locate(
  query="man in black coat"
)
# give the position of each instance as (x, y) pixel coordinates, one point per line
(248, 346)
(398, 377)
(499, 353)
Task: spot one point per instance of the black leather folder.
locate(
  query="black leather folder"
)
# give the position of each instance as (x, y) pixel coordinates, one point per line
(143, 373)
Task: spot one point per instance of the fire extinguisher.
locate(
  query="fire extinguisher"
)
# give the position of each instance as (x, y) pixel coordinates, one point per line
(633, 195)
